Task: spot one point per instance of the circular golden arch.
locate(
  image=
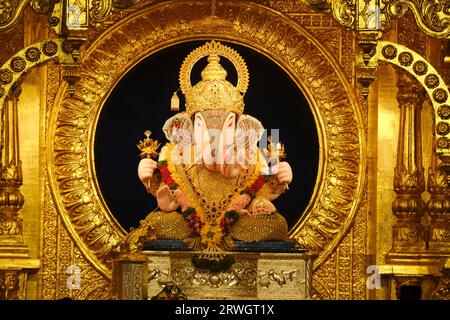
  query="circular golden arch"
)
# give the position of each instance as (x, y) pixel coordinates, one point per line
(341, 176)
(432, 82)
(22, 61)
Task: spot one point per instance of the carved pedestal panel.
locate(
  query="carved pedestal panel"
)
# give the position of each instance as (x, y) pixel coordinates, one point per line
(252, 276)
(130, 278)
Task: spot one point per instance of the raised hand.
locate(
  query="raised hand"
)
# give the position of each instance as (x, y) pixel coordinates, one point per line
(283, 172)
(146, 169)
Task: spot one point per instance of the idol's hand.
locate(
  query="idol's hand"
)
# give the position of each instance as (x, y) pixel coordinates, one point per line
(260, 205)
(241, 202)
(182, 200)
(166, 200)
(283, 172)
(145, 171)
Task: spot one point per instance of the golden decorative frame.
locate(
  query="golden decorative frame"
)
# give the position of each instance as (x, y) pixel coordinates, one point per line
(342, 169)
(432, 17)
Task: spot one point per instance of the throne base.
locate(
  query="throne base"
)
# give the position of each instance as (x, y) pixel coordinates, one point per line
(268, 276)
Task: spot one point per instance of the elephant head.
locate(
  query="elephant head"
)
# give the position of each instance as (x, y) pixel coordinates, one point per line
(220, 139)
(214, 125)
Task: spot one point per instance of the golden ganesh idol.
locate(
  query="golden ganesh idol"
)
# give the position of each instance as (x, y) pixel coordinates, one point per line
(211, 180)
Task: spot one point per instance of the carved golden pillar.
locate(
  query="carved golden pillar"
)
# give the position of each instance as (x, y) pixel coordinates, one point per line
(15, 261)
(408, 173)
(438, 209)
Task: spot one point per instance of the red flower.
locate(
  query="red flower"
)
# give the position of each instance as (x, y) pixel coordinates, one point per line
(165, 175)
(170, 181)
(258, 184)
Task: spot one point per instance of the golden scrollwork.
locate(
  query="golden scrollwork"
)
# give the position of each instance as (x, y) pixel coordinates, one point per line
(76, 11)
(46, 7)
(53, 273)
(287, 6)
(10, 12)
(342, 10)
(432, 17)
(70, 140)
(100, 10)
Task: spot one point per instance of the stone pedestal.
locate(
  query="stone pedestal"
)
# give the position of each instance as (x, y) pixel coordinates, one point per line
(252, 276)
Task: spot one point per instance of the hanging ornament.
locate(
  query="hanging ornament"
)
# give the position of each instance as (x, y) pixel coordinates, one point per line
(175, 103)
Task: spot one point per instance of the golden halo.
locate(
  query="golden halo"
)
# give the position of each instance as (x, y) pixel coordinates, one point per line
(213, 47)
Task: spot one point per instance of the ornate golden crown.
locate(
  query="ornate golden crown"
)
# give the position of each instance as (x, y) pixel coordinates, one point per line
(214, 91)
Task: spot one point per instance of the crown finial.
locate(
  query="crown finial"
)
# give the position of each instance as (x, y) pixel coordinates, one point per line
(214, 70)
(214, 92)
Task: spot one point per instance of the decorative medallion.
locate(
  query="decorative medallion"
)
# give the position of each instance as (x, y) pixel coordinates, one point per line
(405, 58)
(442, 128)
(49, 48)
(431, 81)
(6, 76)
(440, 95)
(442, 143)
(18, 64)
(444, 112)
(389, 51)
(33, 54)
(420, 68)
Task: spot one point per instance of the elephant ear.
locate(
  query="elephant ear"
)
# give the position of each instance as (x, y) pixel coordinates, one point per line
(248, 131)
(178, 129)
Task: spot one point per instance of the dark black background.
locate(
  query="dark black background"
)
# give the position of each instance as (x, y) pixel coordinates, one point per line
(141, 100)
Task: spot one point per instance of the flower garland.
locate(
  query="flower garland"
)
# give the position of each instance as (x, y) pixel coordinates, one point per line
(254, 188)
(166, 176)
(212, 233)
